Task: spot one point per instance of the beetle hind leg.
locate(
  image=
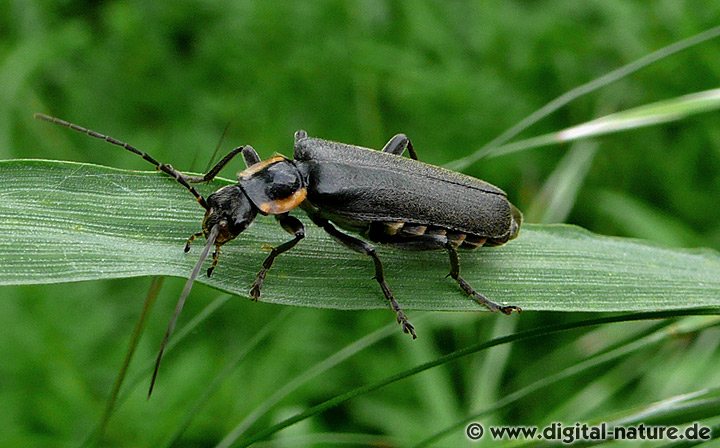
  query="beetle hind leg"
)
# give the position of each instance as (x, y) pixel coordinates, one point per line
(469, 290)
(401, 318)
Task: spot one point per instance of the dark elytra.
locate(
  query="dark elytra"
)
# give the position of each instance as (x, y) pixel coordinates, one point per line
(360, 186)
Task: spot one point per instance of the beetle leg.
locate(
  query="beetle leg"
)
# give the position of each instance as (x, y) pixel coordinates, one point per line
(191, 239)
(364, 248)
(215, 258)
(398, 144)
(249, 154)
(479, 298)
(300, 135)
(430, 242)
(291, 225)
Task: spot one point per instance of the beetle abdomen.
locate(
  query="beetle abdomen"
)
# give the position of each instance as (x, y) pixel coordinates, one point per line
(391, 232)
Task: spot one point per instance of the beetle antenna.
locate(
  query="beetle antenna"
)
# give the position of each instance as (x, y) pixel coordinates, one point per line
(167, 169)
(181, 302)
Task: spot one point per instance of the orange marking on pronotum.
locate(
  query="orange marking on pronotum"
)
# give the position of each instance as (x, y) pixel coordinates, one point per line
(248, 172)
(284, 205)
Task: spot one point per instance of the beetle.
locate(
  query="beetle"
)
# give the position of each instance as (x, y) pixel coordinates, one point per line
(379, 195)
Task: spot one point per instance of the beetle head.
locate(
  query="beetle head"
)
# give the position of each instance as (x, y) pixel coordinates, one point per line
(231, 211)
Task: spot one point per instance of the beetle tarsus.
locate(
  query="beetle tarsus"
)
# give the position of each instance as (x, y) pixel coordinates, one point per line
(190, 240)
(407, 327)
(469, 290)
(257, 284)
(509, 309)
(216, 257)
(291, 225)
(484, 301)
(402, 319)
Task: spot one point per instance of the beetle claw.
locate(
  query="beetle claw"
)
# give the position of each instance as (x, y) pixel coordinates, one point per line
(407, 327)
(509, 309)
(257, 284)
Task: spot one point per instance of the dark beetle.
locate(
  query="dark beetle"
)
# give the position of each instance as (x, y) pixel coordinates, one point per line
(380, 195)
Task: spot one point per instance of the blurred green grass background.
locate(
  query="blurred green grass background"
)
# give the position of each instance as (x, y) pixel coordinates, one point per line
(168, 77)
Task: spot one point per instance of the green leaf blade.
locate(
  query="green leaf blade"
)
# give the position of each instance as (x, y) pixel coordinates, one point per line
(66, 222)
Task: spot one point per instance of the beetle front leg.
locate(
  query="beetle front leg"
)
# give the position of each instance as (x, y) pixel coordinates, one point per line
(479, 298)
(364, 248)
(291, 225)
(398, 144)
(191, 239)
(215, 259)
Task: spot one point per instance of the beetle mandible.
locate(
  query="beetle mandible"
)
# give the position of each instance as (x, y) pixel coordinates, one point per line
(386, 198)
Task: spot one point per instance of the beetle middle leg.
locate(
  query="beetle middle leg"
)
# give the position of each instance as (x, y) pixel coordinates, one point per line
(364, 248)
(291, 225)
(398, 144)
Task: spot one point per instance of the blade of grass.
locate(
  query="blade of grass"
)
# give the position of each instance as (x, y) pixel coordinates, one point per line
(493, 366)
(584, 89)
(65, 222)
(186, 330)
(193, 410)
(684, 408)
(289, 387)
(332, 439)
(150, 299)
(640, 220)
(523, 335)
(647, 115)
(558, 194)
(619, 351)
